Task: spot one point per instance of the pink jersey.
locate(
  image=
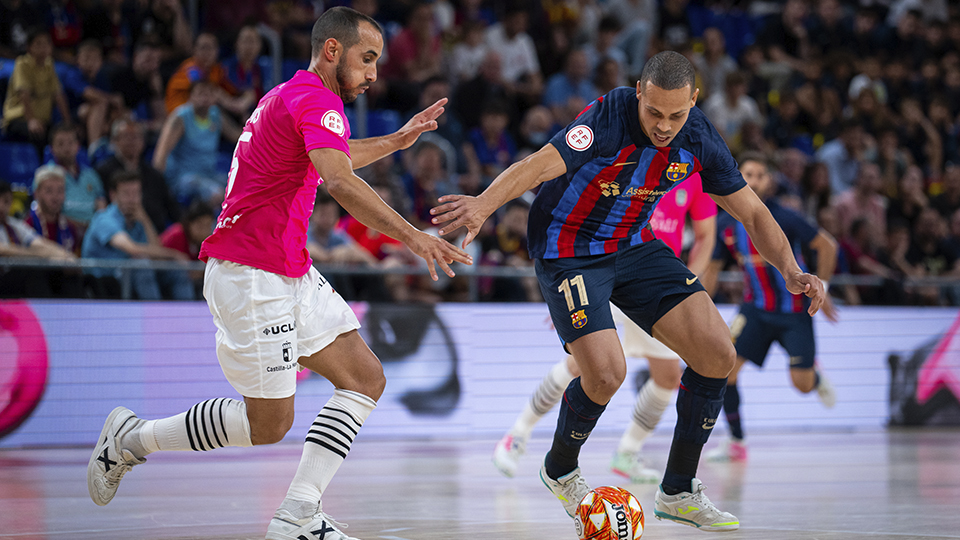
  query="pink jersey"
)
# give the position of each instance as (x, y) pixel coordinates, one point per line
(273, 184)
(670, 214)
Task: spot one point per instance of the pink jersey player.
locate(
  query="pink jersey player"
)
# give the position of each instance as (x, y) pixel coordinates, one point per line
(272, 184)
(670, 214)
(274, 312)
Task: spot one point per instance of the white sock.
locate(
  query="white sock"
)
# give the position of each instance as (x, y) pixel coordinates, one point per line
(647, 410)
(327, 444)
(546, 396)
(210, 424)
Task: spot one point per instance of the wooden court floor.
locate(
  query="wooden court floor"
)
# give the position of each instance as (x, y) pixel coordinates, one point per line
(894, 485)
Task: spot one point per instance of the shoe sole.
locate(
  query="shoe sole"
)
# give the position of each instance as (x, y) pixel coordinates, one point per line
(663, 515)
(91, 474)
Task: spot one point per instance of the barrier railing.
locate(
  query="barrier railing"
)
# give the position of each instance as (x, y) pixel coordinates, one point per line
(124, 268)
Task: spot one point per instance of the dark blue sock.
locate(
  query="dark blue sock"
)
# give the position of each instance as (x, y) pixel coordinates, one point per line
(698, 406)
(578, 416)
(731, 409)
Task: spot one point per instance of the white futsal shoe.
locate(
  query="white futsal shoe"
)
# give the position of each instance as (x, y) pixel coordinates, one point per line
(507, 454)
(630, 465)
(109, 462)
(569, 488)
(826, 392)
(320, 526)
(693, 508)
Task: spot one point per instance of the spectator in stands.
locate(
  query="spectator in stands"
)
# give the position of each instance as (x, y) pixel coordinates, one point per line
(203, 65)
(141, 86)
(17, 239)
(573, 82)
(639, 19)
(816, 189)
(489, 149)
(892, 159)
(929, 255)
(31, 93)
(123, 231)
(186, 236)
(487, 86)
(63, 23)
(868, 258)
(827, 220)
(187, 149)
(427, 181)
(864, 201)
(910, 199)
(508, 247)
(328, 244)
(87, 87)
(843, 154)
(85, 193)
(46, 214)
(948, 201)
(788, 178)
(470, 52)
(946, 125)
(829, 29)
(784, 38)
(414, 53)
(604, 47)
(520, 68)
(162, 22)
(536, 128)
(17, 17)
(675, 29)
(449, 128)
(714, 64)
(608, 75)
(383, 173)
(788, 123)
(731, 109)
(920, 136)
(107, 24)
(127, 140)
(247, 70)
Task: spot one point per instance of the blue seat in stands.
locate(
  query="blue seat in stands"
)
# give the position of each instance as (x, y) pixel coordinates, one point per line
(17, 163)
(382, 122)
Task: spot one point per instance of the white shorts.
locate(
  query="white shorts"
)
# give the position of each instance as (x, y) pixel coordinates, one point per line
(266, 322)
(639, 344)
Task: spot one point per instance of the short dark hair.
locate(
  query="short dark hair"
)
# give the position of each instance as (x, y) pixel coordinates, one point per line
(756, 157)
(123, 177)
(196, 210)
(5, 188)
(90, 43)
(35, 32)
(63, 128)
(668, 70)
(342, 24)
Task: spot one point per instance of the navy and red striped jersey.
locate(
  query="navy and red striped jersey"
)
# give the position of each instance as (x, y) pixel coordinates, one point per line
(615, 177)
(764, 287)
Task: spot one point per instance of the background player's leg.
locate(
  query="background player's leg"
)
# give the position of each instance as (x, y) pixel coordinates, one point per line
(513, 444)
(695, 330)
(652, 400)
(734, 448)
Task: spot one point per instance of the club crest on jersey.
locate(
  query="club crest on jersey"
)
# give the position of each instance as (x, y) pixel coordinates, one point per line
(334, 122)
(579, 319)
(580, 138)
(677, 171)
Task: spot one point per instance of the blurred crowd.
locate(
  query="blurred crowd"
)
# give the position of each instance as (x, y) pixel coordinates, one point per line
(132, 116)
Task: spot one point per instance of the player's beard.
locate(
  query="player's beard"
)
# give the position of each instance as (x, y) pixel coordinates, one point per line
(348, 95)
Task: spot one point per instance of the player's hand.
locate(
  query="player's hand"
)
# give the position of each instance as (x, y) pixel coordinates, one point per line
(809, 285)
(425, 120)
(461, 211)
(439, 251)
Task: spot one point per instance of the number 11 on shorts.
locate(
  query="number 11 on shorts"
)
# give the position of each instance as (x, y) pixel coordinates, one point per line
(566, 288)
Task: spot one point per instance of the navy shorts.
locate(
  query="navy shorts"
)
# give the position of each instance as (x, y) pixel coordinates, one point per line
(754, 330)
(645, 281)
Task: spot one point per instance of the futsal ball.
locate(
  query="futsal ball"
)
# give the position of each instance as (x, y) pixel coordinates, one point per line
(609, 513)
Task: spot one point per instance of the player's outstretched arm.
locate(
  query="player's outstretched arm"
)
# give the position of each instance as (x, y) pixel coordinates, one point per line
(363, 203)
(365, 151)
(470, 212)
(768, 237)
